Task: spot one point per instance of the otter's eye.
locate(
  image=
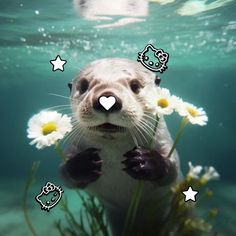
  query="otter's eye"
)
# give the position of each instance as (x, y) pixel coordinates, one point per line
(83, 86)
(135, 86)
(70, 86)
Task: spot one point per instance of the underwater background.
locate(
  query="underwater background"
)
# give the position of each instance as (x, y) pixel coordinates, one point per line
(201, 70)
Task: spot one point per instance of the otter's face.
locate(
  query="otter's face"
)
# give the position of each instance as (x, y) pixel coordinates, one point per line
(125, 82)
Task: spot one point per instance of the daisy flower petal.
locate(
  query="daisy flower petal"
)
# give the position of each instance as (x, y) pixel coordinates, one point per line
(47, 127)
(161, 101)
(210, 174)
(194, 171)
(192, 113)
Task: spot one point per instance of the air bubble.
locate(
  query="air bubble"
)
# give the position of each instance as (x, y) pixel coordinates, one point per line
(41, 29)
(22, 39)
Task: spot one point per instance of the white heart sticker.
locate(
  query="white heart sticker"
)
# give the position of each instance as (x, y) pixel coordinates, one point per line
(107, 102)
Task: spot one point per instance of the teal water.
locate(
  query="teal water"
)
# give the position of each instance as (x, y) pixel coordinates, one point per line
(201, 70)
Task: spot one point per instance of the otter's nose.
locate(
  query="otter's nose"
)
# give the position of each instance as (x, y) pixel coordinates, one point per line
(107, 103)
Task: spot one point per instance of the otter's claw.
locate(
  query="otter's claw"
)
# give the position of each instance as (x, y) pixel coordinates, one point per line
(83, 168)
(145, 164)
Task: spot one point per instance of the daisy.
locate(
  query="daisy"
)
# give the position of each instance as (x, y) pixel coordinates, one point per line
(210, 174)
(192, 113)
(194, 171)
(162, 101)
(47, 127)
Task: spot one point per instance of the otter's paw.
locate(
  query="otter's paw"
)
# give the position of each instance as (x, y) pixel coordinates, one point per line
(145, 164)
(83, 168)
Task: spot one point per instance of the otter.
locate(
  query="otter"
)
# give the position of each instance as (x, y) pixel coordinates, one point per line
(113, 148)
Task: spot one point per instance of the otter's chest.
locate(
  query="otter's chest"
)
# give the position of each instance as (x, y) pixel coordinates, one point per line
(115, 187)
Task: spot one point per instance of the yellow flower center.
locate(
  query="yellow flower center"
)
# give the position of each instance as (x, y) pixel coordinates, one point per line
(192, 111)
(49, 128)
(163, 103)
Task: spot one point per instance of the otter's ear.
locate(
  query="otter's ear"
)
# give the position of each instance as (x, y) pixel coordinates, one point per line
(157, 80)
(70, 86)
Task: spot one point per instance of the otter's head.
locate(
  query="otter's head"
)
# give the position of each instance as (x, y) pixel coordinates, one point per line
(126, 82)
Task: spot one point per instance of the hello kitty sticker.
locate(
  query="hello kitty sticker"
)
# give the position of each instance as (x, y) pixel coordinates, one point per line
(153, 59)
(49, 196)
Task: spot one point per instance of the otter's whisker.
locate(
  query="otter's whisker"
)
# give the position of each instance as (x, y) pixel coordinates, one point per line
(61, 96)
(150, 117)
(84, 131)
(138, 137)
(147, 127)
(148, 138)
(139, 132)
(58, 106)
(74, 119)
(71, 134)
(78, 135)
(145, 130)
(133, 137)
(149, 122)
(63, 109)
(74, 122)
(72, 114)
(77, 138)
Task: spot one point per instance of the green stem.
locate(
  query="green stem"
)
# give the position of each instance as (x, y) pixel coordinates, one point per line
(29, 182)
(60, 151)
(133, 207)
(155, 130)
(136, 202)
(183, 123)
(128, 215)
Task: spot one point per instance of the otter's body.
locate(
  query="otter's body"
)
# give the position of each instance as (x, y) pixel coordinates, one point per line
(105, 137)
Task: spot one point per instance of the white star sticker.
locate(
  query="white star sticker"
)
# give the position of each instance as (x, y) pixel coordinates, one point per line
(190, 194)
(58, 64)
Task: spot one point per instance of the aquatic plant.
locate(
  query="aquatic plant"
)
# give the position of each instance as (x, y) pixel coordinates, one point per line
(29, 181)
(91, 221)
(183, 218)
